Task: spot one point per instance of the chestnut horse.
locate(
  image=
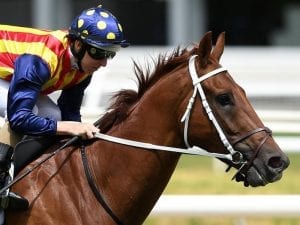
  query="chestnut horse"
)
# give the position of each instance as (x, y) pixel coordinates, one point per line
(189, 99)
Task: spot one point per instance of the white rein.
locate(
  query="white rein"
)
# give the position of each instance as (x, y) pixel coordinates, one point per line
(193, 150)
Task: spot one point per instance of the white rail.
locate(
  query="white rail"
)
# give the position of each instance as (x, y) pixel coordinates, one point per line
(228, 205)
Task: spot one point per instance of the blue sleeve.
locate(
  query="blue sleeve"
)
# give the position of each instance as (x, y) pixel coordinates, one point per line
(30, 73)
(70, 100)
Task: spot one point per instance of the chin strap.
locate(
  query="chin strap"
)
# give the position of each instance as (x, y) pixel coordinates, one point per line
(78, 54)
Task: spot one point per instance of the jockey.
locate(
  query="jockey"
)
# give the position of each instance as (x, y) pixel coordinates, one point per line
(35, 63)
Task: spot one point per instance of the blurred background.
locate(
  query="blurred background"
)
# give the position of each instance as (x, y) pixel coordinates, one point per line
(172, 22)
(262, 37)
(262, 53)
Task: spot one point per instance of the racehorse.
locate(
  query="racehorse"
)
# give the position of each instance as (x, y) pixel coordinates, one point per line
(187, 102)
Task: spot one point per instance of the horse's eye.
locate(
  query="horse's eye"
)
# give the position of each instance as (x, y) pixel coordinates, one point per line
(224, 99)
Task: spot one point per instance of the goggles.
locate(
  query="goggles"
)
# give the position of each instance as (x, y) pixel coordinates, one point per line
(97, 53)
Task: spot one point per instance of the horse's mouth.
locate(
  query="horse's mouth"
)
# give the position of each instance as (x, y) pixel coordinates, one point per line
(255, 177)
(265, 169)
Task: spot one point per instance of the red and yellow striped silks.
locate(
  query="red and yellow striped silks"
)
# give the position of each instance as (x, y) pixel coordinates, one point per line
(51, 46)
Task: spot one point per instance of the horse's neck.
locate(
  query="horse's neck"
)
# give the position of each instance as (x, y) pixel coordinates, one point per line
(142, 174)
(156, 117)
(154, 123)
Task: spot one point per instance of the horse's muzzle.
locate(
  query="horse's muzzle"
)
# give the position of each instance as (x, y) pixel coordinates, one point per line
(267, 167)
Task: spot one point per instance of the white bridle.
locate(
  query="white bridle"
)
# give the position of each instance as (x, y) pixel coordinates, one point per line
(198, 88)
(194, 150)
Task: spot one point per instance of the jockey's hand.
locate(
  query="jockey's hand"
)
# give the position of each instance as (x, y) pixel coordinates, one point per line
(83, 130)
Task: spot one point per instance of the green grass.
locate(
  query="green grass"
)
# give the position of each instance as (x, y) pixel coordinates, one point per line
(203, 175)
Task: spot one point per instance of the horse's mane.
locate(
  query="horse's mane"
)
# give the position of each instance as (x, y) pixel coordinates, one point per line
(124, 99)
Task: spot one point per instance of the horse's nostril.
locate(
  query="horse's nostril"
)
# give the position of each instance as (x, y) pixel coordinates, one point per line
(276, 162)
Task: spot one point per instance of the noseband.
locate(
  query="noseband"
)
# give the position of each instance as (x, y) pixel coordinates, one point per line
(245, 166)
(237, 157)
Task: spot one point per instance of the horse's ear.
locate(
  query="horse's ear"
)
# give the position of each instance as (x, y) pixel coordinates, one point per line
(219, 47)
(204, 49)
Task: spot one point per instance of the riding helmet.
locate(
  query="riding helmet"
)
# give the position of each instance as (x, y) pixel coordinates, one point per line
(99, 28)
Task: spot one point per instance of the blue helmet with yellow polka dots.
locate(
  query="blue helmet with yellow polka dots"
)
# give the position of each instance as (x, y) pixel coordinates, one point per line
(99, 28)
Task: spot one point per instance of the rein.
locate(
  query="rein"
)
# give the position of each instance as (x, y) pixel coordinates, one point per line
(195, 150)
(94, 188)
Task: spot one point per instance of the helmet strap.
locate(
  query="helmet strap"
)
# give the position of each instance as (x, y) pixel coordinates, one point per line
(78, 54)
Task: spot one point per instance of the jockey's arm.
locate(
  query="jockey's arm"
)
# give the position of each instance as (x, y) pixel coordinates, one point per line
(30, 73)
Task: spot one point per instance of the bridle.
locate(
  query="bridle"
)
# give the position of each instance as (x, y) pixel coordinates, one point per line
(235, 157)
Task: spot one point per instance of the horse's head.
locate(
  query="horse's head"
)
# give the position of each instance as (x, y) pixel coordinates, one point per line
(232, 119)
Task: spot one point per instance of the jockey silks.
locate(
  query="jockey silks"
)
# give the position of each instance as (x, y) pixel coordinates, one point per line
(50, 46)
(38, 62)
